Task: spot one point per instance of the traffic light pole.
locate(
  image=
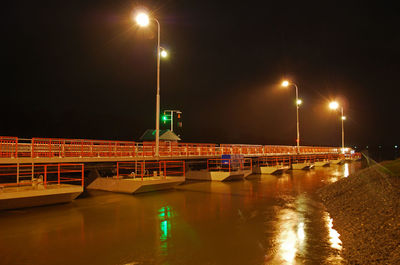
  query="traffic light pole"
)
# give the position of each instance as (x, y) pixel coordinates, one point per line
(172, 121)
(172, 117)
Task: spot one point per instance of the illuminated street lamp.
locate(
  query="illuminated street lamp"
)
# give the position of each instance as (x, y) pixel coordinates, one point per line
(143, 20)
(164, 53)
(298, 103)
(334, 105)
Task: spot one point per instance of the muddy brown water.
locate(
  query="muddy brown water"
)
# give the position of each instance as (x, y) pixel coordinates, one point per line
(265, 220)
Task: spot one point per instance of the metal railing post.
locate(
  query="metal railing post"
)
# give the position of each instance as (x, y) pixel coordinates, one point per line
(83, 175)
(91, 149)
(32, 171)
(142, 169)
(18, 173)
(45, 176)
(165, 169)
(50, 149)
(33, 148)
(16, 148)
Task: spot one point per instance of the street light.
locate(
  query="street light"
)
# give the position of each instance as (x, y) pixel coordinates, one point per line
(164, 53)
(143, 20)
(286, 83)
(334, 105)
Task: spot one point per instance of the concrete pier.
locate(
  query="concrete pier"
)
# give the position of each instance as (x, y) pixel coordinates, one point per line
(303, 165)
(215, 175)
(277, 169)
(30, 196)
(135, 185)
(336, 161)
(323, 163)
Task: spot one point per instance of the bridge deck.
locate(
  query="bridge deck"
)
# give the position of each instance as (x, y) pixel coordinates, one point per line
(47, 150)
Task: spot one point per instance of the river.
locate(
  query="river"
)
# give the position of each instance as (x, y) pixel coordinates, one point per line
(265, 220)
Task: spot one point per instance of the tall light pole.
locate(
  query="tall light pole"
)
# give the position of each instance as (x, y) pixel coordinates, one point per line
(334, 105)
(143, 20)
(298, 103)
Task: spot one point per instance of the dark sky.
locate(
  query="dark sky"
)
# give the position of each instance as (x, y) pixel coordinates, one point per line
(82, 69)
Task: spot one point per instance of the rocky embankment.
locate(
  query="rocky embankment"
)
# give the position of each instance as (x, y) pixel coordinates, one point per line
(365, 208)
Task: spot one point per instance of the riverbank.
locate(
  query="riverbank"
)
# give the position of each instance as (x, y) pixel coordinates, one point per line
(365, 208)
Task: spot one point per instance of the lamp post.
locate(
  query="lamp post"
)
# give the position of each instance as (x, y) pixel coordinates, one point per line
(334, 105)
(143, 20)
(298, 103)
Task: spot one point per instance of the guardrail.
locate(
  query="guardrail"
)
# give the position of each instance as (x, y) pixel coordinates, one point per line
(352, 156)
(273, 161)
(12, 147)
(321, 157)
(41, 174)
(8, 146)
(303, 159)
(146, 169)
(229, 164)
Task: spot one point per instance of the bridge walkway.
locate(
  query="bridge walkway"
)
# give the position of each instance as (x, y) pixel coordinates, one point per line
(14, 150)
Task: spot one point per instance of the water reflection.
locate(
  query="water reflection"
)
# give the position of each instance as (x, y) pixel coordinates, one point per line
(341, 171)
(290, 232)
(334, 240)
(346, 170)
(164, 215)
(266, 220)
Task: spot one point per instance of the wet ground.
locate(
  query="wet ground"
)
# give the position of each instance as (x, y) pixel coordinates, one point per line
(265, 220)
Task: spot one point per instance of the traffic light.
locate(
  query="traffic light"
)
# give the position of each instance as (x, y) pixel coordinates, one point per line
(164, 118)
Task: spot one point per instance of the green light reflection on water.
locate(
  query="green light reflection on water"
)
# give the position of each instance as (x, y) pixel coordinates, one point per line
(164, 215)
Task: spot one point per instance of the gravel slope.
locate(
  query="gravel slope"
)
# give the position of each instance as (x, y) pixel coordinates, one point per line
(365, 208)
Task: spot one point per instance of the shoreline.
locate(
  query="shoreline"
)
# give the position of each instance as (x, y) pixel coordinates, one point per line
(365, 208)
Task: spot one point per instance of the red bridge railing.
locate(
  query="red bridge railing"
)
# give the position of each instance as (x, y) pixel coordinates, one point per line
(273, 161)
(148, 169)
(41, 174)
(229, 164)
(8, 146)
(12, 147)
(45, 147)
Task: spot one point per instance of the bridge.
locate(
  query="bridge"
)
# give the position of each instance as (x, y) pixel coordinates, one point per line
(14, 150)
(40, 171)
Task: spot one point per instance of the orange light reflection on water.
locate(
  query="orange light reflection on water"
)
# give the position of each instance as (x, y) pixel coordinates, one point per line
(346, 172)
(291, 236)
(334, 239)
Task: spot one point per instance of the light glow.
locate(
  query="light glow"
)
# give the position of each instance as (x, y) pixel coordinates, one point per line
(285, 83)
(346, 170)
(142, 19)
(334, 105)
(344, 118)
(164, 53)
(334, 239)
(299, 102)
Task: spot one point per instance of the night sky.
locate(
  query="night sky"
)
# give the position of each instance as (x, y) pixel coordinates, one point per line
(83, 69)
